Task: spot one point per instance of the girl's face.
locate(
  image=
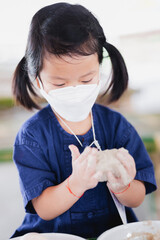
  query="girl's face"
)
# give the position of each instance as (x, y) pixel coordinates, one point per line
(69, 71)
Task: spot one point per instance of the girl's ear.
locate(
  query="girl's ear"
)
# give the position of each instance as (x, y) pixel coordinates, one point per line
(38, 85)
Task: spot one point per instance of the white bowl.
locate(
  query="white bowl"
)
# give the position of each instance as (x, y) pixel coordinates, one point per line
(124, 232)
(56, 236)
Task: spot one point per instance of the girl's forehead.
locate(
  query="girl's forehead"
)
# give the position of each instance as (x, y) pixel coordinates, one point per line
(72, 59)
(70, 63)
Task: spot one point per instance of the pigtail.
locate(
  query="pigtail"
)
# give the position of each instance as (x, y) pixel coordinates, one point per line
(119, 81)
(22, 87)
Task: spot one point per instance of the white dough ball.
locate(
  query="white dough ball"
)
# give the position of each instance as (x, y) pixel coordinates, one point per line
(108, 162)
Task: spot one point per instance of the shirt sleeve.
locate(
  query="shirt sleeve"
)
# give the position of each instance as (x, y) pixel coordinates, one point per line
(130, 139)
(35, 173)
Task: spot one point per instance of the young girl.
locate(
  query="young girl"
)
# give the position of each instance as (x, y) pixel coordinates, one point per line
(60, 190)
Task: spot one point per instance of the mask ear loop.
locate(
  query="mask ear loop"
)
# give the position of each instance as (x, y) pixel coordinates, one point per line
(94, 136)
(68, 128)
(39, 84)
(95, 142)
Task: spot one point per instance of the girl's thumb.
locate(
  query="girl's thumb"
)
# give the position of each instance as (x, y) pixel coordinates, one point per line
(74, 152)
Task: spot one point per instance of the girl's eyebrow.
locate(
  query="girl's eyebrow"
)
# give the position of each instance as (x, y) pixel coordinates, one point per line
(85, 75)
(89, 73)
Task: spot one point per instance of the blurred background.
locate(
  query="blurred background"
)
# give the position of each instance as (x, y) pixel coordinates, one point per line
(133, 26)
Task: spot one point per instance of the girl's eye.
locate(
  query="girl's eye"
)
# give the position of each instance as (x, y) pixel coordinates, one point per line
(59, 85)
(87, 81)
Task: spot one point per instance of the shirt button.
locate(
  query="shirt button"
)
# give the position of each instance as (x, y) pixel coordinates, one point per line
(82, 140)
(90, 214)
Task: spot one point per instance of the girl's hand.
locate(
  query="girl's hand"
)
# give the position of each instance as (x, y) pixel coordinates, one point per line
(83, 175)
(116, 184)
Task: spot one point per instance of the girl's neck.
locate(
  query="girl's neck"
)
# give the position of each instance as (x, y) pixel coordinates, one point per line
(79, 128)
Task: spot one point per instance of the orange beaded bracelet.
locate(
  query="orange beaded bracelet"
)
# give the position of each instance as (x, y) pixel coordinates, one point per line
(122, 191)
(67, 186)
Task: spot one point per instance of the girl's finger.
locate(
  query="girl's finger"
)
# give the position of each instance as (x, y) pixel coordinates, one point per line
(126, 160)
(85, 153)
(92, 158)
(94, 151)
(123, 150)
(129, 164)
(98, 175)
(74, 152)
(111, 178)
(91, 164)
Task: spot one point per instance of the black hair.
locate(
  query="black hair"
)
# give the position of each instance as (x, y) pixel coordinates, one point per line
(65, 29)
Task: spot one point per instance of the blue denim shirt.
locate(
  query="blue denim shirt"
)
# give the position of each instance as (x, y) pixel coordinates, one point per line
(43, 159)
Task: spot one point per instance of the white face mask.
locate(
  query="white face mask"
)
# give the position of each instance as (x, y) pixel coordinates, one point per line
(72, 103)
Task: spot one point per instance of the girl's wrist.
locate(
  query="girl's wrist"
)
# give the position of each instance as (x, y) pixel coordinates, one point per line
(122, 190)
(74, 186)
